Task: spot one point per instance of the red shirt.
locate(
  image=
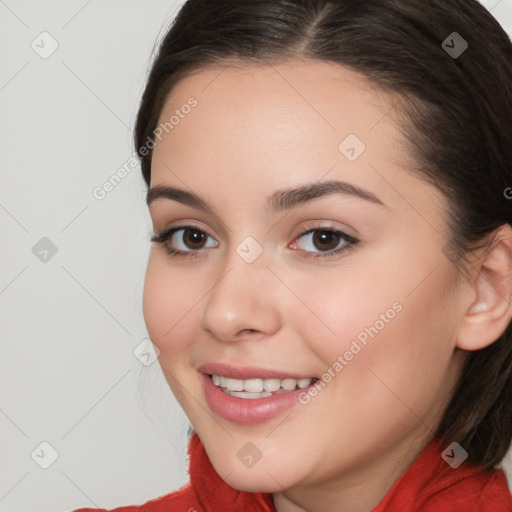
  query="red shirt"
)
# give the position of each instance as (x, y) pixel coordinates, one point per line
(428, 485)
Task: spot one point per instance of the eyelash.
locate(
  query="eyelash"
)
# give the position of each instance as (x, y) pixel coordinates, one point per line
(164, 236)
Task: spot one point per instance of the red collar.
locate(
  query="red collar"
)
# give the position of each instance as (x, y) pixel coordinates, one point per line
(428, 485)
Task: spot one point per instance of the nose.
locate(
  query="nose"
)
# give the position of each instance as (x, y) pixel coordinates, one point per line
(239, 305)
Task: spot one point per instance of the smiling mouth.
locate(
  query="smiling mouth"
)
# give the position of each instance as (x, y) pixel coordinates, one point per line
(259, 388)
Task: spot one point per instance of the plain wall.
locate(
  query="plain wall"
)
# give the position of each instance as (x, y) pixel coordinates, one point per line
(72, 264)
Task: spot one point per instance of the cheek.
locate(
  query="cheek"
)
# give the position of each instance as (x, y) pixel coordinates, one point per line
(342, 312)
(382, 333)
(168, 308)
(418, 353)
(167, 305)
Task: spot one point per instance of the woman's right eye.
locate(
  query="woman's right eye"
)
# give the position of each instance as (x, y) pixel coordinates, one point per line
(183, 240)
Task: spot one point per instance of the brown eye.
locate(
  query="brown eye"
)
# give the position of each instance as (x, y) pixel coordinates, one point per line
(193, 238)
(184, 240)
(322, 242)
(325, 240)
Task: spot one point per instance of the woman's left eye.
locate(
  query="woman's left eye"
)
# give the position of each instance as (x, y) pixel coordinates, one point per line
(327, 241)
(191, 241)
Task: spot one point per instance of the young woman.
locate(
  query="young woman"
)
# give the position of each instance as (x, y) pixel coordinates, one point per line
(330, 279)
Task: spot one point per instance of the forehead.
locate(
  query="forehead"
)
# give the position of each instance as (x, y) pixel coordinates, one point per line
(292, 107)
(309, 96)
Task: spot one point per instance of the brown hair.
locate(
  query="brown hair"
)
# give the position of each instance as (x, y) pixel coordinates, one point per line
(457, 113)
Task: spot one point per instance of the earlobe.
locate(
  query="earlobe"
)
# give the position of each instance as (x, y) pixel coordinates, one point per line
(490, 312)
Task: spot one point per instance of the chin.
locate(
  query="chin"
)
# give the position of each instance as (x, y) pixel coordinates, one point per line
(264, 476)
(251, 482)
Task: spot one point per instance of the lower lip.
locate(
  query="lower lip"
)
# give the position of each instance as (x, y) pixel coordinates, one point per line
(248, 410)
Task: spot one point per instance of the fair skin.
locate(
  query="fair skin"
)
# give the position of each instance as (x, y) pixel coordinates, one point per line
(259, 129)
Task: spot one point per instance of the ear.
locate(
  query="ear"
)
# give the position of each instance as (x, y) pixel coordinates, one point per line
(491, 311)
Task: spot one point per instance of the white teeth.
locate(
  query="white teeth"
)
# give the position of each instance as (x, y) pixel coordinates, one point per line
(304, 383)
(289, 384)
(271, 384)
(256, 388)
(234, 384)
(245, 394)
(252, 385)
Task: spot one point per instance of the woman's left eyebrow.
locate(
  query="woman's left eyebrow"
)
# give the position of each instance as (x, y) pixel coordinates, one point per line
(284, 199)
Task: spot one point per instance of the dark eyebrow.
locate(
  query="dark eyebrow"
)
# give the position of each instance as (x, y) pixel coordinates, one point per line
(286, 199)
(280, 200)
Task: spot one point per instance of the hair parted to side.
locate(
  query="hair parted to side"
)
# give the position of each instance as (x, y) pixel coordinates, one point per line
(456, 116)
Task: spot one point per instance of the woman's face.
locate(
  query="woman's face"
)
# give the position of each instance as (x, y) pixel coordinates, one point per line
(373, 315)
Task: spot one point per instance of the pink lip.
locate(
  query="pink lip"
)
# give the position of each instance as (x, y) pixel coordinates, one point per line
(248, 410)
(248, 372)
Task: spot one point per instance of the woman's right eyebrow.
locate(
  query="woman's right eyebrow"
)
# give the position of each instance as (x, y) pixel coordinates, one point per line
(283, 199)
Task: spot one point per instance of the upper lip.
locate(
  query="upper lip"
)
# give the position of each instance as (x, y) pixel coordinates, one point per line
(248, 372)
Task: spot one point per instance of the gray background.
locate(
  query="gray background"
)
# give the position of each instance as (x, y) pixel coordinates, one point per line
(72, 319)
